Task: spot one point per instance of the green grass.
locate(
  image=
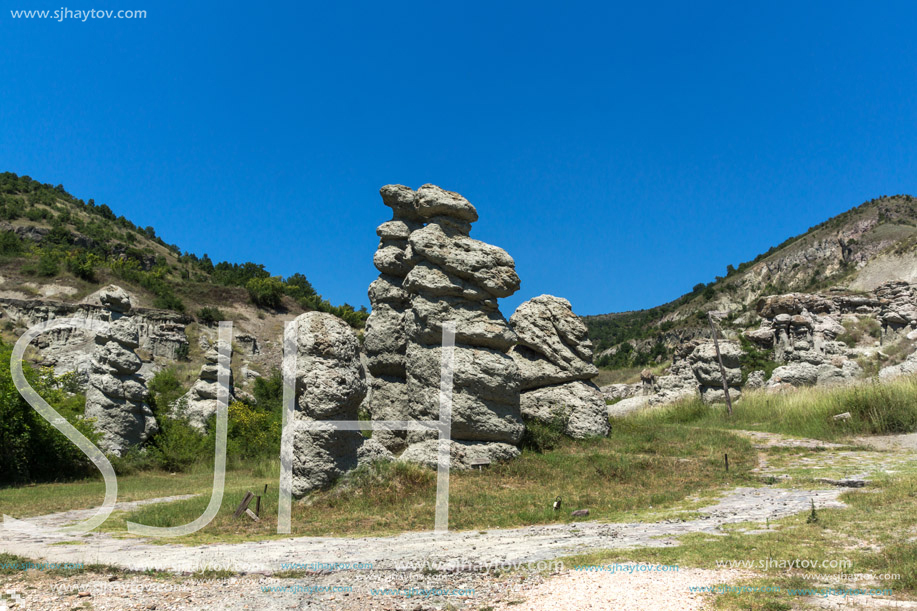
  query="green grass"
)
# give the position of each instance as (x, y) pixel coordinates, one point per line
(875, 409)
(634, 474)
(41, 499)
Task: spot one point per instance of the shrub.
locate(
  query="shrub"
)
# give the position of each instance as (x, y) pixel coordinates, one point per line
(30, 448)
(265, 292)
(47, 265)
(168, 301)
(209, 316)
(82, 264)
(10, 244)
(542, 436)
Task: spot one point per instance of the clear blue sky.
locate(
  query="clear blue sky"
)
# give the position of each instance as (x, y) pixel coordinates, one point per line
(621, 153)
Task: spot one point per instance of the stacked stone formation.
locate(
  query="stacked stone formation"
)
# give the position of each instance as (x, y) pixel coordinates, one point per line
(200, 402)
(385, 343)
(554, 356)
(434, 274)
(898, 315)
(330, 385)
(707, 371)
(116, 397)
(457, 278)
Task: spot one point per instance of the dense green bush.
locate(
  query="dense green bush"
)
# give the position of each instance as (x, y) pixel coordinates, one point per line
(10, 244)
(30, 448)
(82, 264)
(210, 316)
(265, 292)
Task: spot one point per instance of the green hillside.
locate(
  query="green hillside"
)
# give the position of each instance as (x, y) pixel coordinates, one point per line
(46, 234)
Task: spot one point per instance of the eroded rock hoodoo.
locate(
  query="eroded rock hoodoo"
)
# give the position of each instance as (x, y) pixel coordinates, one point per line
(433, 272)
(554, 356)
(117, 397)
(200, 402)
(330, 385)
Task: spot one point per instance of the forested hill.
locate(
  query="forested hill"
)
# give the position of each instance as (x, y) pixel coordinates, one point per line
(48, 236)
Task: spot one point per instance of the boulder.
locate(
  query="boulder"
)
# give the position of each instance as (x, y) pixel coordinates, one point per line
(579, 404)
(330, 385)
(463, 455)
(116, 399)
(795, 374)
(554, 357)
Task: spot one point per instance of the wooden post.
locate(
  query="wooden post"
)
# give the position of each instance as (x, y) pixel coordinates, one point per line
(243, 506)
(726, 456)
(719, 357)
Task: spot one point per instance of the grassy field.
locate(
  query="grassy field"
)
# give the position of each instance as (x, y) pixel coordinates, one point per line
(875, 409)
(618, 478)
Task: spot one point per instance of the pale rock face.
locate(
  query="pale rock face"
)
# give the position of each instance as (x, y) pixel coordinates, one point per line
(586, 414)
(330, 385)
(755, 380)
(797, 374)
(908, 367)
(554, 357)
(487, 266)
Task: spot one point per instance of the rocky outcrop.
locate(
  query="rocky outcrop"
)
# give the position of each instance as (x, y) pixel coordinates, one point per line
(616, 392)
(457, 278)
(433, 272)
(116, 399)
(554, 357)
(200, 402)
(898, 313)
(330, 385)
(802, 331)
(706, 368)
(160, 333)
(908, 367)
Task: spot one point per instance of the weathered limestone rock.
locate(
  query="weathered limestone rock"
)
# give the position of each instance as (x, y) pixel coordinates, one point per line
(432, 272)
(463, 455)
(615, 392)
(755, 380)
(706, 369)
(330, 385)
(384, 336)
(116, 396)
(457, 278)
(796, 374)
(200, 402)
(554, 357)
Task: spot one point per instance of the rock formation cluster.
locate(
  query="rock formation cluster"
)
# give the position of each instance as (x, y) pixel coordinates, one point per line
(330, 385)
(117, 398)
(801, 329)
(554, 357)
